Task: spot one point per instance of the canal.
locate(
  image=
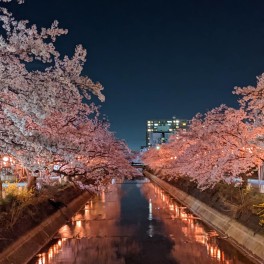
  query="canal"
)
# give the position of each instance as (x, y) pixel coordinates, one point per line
(137, 222)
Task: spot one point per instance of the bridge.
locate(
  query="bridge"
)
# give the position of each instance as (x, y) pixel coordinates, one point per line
(138, 165)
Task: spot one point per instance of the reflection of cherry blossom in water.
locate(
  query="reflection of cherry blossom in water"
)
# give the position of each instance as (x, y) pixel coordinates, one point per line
(196, 239)
(137, 223)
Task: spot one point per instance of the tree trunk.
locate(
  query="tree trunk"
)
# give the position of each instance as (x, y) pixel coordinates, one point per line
(32, 182)
(1, 189)
(243, 187)
(244, 181)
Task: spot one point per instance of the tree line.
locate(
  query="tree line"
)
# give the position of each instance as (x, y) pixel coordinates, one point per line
(48, 121)
(223, 145)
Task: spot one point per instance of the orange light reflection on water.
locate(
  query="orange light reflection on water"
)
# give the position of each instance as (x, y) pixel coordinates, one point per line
(79, 228)
(47, 257)
(192, 228)
(158, 202)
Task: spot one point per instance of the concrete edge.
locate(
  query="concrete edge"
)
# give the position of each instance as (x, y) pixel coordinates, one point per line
(240, 236)
(28, 245)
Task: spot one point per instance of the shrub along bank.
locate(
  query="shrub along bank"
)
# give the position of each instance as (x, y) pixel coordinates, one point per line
(19, 213)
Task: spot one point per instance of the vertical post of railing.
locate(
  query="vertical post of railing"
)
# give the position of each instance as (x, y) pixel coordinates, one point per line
(261, 178)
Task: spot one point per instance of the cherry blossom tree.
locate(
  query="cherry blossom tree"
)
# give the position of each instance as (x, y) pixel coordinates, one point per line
(99, 158)
(226, 147)
(219, 146)
(43, 117)
(251, 100)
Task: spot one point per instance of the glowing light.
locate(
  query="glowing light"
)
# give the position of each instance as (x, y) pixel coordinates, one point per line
(5, 158)
(150, 210)
(65, 231)
(151, 230)
(218, 254)
(103, 196)
(79, 223)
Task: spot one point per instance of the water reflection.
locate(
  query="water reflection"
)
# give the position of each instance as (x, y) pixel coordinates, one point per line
(150, 210)
(137, 223)
(193, 240)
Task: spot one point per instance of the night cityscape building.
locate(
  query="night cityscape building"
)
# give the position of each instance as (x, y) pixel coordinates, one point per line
(158, 131)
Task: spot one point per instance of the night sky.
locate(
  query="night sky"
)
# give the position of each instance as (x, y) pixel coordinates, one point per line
(158, 59)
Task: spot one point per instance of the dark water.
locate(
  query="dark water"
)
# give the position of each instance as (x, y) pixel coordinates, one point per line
(136, 222)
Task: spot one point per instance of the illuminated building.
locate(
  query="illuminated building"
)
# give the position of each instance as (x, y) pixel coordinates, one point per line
(159, 130)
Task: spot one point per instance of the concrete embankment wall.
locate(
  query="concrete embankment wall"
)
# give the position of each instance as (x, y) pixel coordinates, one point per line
(239, 235)
(27, 246)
